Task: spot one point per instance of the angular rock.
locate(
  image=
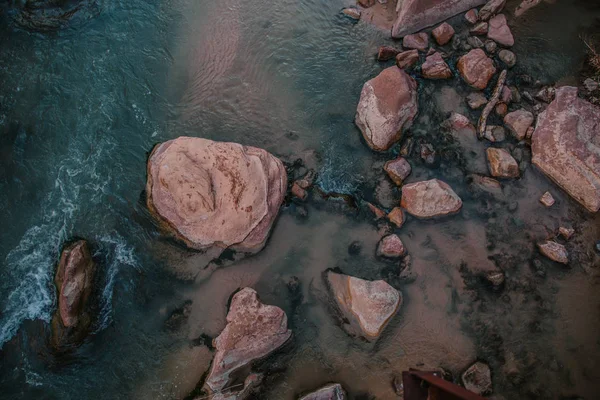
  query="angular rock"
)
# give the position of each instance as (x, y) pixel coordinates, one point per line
(377, 212)
(480, 29)
(491, 8)
(485, 184)
(500, 32)
(457, 122)
(367, 305)
(507, 57)
(501, 110)
(396, 216)
(253, 331)
(386, 53)
(398, 170)
(494, 133)
(432, 198)
(496, 278)
(352, 12)
(501, 163)
(415, 15)
(475, 42)
(391, 246)
(366, 3)
(566, 233)
(417, 41)
(547, 199)
(435, 67)
(407, 59)
(476, 68)
(471, 16)
(491, 46)
(443, 33)
(476, 100)
(518, 122)
(478, 378)
(590, 85)
(299, 192)
(215, 194)
(387, 107)
(74, 281)
(554, 251)
(566, 146)
(333, 391)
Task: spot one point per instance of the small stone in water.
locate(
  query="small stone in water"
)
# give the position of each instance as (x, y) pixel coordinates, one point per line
(418, 41)
(443, 33)
(491, 46)
(508, 58)
(501, 109)
(471, 16)
(590, 85)
(546, 94)
(352, 12)
(386, 53)
(398, 170)
(391, 246)
(396, 216)
(428, 153)
(547, 199)
(502, 164)
(554, 251)
(480, 29)
(376, 211)
(496, 278)
(407, 59)
(476, 100)
(475, 42)
(566, 233)
(494, 133)
(299, 192)
(477, 378)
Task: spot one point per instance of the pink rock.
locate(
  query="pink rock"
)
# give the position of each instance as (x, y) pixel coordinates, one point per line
(435, 67)
(471, 16)
(253, 331)
(418, 41)
(396, 216)
(386, 53)
(398, 170)
(215, 194)
(482, 183)
(415, 15)
(299, 192)
(518, 122)
(500, 32)
(427, 199)
(333, 391)
(566, 233)
(501, 163)
(566, 146)
(391, 246)
(367, 305)
(547, 199)
(526, 5)
(443, 33)
(490, 9)
(74, 281)
(458, 122)
(554, 251)
(407, 59)
(387, 106)
(476, 68)
(366, 3)
(476, 100)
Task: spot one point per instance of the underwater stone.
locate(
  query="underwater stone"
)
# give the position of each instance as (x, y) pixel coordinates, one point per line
(554, 251)
(435, 67)
(500, 32)
(398, 170)
(518, 122)
(417, 41)
(391, 246)
(547, 199)
(428, 199)
(386, 53)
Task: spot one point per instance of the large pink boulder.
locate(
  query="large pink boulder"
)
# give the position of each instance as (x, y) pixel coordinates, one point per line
(499, 31)
(476, 68)
(367, 305)
(253, 331)
(215, 194)
(74, 281)
(566, 146)
(428, 199)
(387, 106)
(415, 15)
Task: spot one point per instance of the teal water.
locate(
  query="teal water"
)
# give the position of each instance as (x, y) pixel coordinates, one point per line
(80, 109)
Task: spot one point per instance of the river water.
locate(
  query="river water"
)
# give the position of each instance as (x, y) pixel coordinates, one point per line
(80, 109)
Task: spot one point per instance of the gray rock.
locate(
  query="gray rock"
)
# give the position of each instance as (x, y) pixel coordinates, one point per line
(475, 42)
(508, 58)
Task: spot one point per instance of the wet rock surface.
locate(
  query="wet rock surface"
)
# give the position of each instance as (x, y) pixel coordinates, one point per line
(443, 33)
(435, 67)
(476, 68)
(554, 251)
(253, 331)
(565, 146)
(333, 391)
(502, 164)
(215, 194)
(386, 53)
(387, 106)
(74, 280)
(428, 199)
(368, 305)
(417, 41)
(491, 8)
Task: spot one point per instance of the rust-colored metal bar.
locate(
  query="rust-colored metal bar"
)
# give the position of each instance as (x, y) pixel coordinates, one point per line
(435, 389)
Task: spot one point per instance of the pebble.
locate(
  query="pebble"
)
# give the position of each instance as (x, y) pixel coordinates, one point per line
(590, 85)
(547, 199)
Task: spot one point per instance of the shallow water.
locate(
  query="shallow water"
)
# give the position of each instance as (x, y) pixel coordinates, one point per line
(81, 108)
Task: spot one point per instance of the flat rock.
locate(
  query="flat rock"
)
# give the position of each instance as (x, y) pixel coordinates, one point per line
(554, 251)
(398, 170)
(74, 281)
(253, 331)
(517, 122)
(566, 233)
(501, 163)
(432, 198)
(507, 57)
(417, 41)
(333, 391)
(478, 378)
(415, 15)
(482, 183)
(367, 305)
(499, 31)
(480, 28)
(443, 33)
(407, 59)
(566, 146)
(476, 68)
(435, 67)
(391, 246)
(215, 194)
(387, 107)
(490, 9)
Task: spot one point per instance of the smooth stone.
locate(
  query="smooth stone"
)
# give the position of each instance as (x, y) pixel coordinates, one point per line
(387, 106)
(475, 42)
(554, 251)
(501, 163)
(518, 122)
(507, 57)
(566, 146)
(253, 331)
(476, 100)
(205, 195)
(367, 305)
(435, 67)
(417, 41)
(391, 246)
(476, 68)
(428, 199)
(443, 33)
(398, 170)
(407, 59)
(566, 233)
(334, 391)
(491, 46)
(501, 110)
(500, 32)
(478, 379)
(480, 29)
